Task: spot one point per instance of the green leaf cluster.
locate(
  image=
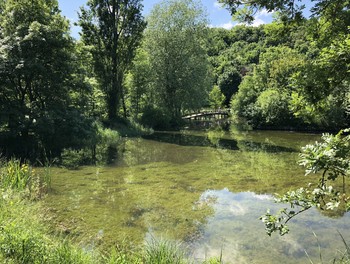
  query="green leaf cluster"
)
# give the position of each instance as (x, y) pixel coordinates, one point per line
(171, 73)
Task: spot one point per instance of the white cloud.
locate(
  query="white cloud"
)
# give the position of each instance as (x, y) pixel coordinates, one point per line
(262, 17)
(217, 5)
(227, 25)
(259, 18)
(257, 22)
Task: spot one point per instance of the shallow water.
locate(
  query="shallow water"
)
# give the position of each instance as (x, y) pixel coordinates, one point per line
(205, 189)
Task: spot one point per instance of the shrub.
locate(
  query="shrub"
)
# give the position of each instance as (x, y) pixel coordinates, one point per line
(155, 118)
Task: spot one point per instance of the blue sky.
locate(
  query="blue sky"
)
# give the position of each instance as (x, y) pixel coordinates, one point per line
(218, 17)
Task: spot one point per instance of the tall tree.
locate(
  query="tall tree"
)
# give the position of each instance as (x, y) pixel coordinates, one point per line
(36, 69)
(114, 29)
(174, 41)
(138, 82)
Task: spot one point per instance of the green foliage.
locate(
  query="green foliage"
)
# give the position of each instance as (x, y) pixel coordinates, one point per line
(213, 261)
(72, 158)
(216, 98)
(96, 152)
(113, 42)
(174, 43)
(228, 82)
(331, 158)
(21, 177)
(273, 106)
(305, 62)
(38, 74)
(139, 84)
(15, 175)
(274, 96)
(156, 118)
(23, 238)
(288, 10)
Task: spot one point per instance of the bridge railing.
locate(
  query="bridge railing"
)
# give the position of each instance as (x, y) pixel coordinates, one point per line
(205, 112)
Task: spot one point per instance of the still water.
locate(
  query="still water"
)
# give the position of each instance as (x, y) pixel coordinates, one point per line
(206, 190)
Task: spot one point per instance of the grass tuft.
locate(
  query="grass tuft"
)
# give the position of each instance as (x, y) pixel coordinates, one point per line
(164, 252)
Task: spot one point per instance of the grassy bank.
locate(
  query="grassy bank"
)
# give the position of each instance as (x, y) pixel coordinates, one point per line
(24, 238)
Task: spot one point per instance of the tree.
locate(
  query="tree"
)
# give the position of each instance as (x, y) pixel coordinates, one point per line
(36, 80)
(264, 95)
(113, 29)
(216, 98)
(138, 83)
(228, 82)
(174, 42)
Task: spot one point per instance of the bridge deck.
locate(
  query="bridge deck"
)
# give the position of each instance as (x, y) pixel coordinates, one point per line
(218, 112)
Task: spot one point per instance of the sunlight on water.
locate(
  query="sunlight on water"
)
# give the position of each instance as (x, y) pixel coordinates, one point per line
(207, 190)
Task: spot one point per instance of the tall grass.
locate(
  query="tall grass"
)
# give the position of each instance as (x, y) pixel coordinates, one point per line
(25, 239)
(14, 175)
(20, 177)
(164, 252)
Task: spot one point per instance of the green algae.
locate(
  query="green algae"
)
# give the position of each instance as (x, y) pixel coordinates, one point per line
(204, 189)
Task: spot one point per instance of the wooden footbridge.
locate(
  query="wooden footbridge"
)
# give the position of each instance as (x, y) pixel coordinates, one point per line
(207, 114)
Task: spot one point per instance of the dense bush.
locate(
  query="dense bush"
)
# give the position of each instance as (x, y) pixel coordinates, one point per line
(155, 118)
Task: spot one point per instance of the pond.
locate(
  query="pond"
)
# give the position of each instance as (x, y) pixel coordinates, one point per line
(206, 190)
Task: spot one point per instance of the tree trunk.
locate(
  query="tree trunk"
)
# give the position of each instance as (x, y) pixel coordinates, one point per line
(112, 104)
(123, 101)
(114, 93)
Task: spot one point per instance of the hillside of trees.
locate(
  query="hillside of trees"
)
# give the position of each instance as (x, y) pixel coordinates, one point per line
(58, 93)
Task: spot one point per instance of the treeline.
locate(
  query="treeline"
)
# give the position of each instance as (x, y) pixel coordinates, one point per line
(286, 76)
(58, 94)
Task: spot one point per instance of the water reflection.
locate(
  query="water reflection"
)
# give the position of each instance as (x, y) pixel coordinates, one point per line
(139, 152)
(197, 191)
(217, 141)
(235, 232)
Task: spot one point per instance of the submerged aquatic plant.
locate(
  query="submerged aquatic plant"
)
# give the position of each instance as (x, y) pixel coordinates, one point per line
(24, 238)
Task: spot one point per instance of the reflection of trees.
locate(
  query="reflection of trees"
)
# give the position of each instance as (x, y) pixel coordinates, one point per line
(141, 151)
(217, 138)
(134, 152)
(265, 147)
(215, 135)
